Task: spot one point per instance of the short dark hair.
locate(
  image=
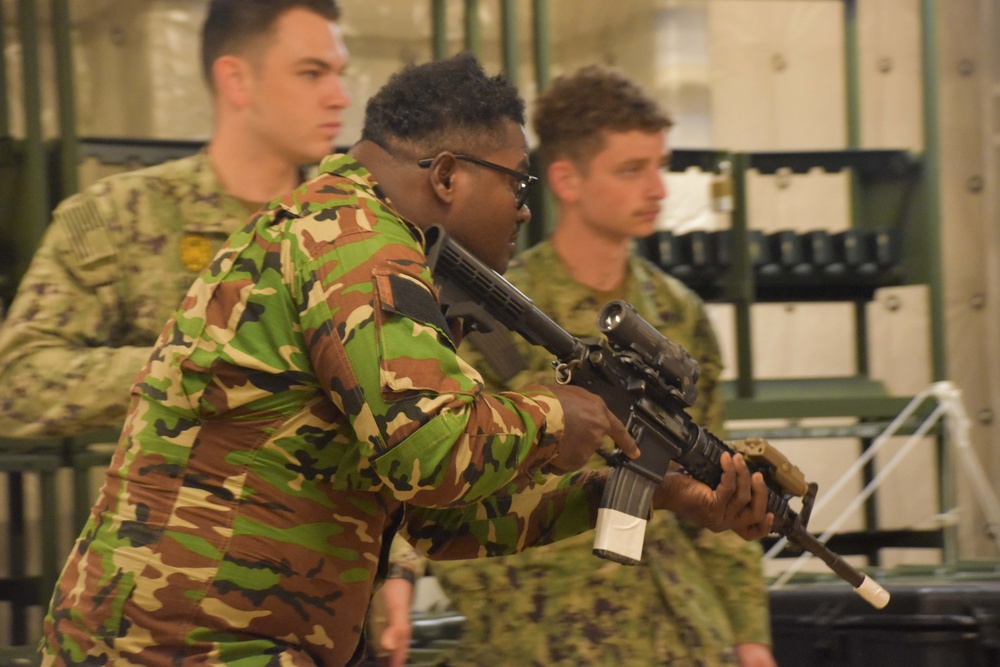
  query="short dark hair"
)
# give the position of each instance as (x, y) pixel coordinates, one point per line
(572, 115)
(232, 25)
(424, 109)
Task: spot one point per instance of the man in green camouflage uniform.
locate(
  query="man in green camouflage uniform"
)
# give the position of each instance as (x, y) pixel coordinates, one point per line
(698, 597)
(120, 255)
(306, 402)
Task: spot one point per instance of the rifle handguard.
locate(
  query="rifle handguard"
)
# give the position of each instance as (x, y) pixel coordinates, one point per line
(760, 451)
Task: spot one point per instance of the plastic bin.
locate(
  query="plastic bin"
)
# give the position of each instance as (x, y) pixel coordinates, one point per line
(935, 622)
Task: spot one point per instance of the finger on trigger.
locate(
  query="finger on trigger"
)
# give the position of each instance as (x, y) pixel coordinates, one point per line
(622, 437)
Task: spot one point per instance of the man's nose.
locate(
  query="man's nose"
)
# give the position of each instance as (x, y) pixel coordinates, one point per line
(337, 96)
(658, 185)
(523, 215)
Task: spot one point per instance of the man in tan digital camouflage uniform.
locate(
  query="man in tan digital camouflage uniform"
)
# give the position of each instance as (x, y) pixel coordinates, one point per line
(119, 256)
(697, 598)
(306, 402)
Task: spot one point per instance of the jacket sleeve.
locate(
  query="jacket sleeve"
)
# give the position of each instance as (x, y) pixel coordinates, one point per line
(403, 557)
(377, 340)
(510, 520)
(59, 367)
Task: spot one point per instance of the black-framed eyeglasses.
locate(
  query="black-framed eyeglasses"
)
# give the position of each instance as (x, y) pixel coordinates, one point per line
(524, 181)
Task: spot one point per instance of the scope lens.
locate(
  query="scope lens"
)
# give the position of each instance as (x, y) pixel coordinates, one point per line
(611, 317)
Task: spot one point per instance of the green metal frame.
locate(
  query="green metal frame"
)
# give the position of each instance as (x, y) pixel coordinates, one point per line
(21, 589)
(508, 40)
(33, 188)
(473, 41)
(472, 37)
(69, 159)
(4, 99)
(33, 196)
(439, 29)
(540, 40)
(924, 251)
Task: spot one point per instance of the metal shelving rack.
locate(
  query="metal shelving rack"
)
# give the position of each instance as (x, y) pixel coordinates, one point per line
(890, 189)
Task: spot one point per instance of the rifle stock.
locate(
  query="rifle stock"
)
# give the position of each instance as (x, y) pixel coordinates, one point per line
(648, 382)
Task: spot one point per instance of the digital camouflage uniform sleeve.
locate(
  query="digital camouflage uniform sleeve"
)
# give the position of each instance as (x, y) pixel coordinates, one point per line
(403, 555)
(59, 373)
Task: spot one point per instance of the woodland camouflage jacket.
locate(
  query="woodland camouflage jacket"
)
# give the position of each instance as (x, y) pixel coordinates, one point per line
(304, 402)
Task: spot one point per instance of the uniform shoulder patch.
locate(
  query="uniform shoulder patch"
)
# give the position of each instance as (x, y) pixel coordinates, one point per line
(86, 237)
(412, 299)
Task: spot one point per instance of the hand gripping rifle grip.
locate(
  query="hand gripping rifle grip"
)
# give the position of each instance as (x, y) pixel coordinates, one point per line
(701, 462)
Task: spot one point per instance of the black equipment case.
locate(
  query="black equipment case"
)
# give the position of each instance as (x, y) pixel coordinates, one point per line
(947, 620)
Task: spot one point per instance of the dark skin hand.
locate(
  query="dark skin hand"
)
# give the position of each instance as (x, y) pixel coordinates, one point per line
(738, 503)
(587, 421)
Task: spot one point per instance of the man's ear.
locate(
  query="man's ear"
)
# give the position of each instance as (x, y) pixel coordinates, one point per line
(564, 179)
(444, 177)
(232, 78)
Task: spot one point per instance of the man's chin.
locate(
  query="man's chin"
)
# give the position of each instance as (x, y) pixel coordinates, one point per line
(502, 261)
(645, 227)
(317, 154)
(495, 258)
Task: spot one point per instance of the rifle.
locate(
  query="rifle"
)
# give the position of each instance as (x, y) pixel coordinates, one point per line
(648, 382)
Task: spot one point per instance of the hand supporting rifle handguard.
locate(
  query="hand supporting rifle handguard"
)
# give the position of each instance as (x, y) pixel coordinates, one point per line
(648, 382)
